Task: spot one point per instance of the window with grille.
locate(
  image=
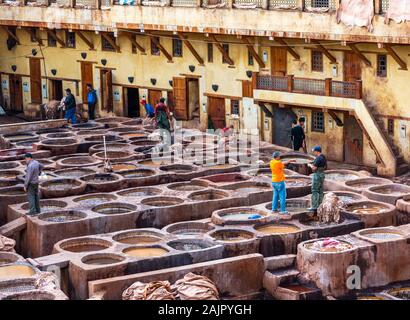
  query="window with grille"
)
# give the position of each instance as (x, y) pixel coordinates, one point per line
(317, 61)
(225, 46)
(70, 39)
(51, 42)
(318, 121)
(177, 47)
(382, 65)
(33, 35)
(210, 52)
(320, 3)
(235, 107)
(390, 126)
(105, 44)
(250, 58)
(154, 48)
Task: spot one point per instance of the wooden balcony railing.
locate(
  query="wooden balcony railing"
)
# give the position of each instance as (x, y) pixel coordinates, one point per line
(319, 87)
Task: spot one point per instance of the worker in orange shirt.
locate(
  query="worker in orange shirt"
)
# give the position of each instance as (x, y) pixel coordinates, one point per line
(278, 183)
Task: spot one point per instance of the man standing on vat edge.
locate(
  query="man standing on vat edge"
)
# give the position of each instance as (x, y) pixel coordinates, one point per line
(34, 168)
(318, 167)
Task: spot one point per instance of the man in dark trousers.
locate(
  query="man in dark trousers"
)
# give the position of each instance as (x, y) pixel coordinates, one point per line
(70, 106)
(34, 168)
(298, 135)
(91, 101)
(318, 167)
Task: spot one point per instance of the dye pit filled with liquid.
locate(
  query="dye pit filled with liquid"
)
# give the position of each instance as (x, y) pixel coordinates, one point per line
(16, 271)
(367, 209)
(145, 252)
(231, 236)
(277, 229)
(341, 176)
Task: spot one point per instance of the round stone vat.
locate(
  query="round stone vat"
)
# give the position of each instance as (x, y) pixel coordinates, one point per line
(10, 174)
(143, 145)
(13, 286)
(140, 192)
(48, 164)
(16, 191)
(162, 201)
(133, 122)
(190, 228)
(188, 186)
(114, 156)
(113, 146)
(47, 205)
(14, 137)
(114, 208)
(301, 161)
(298, 181)
(51, 130)
(59, 135)
(84, 133)
(241, 215)
(206, 195)
(189, 244)
(137, 173)
(7, 258)
(8, 183)
(125, 129)
(341, 175)
(16, 271)
(235, 241)
(404, 204)
(62, 216)
(178, 168)
(80, 245)
(79, 161)
(123, 166)
(267, 173)
(200, 138)
(103, 182)
(276, 228)
(294, 206)
(31, 295)
(111, 120)
(372, 213)
(8, 165)
(87, 126)
(157, 162)
(248, 187)
(349, 197)
(102, 259)
(74, 172)
(313, 245)
(225, 178)
(361, 184)
(399, 293)
(380, 234)
(217, 167)
(94, 199)
(388, 193)
(134, 135)
(145, 252)
(26, 143)
(99, 138)
(60, 146)
(62, 187)
(138, 237)
(195, 150)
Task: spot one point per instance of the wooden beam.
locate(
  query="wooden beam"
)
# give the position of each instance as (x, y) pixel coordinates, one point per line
(221, 50)
(34, 35)
(161, 48)
(11, 34)
(359, 54)
(266, 110)
(191, 48)
(253, 52)
(338, 121)
(396, 57)
(325, 51)
(85, 39)
(134, 42)
(53, 34)
(111, 41)
(288, 48)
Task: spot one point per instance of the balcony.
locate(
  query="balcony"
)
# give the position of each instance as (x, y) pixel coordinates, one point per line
(319, 87)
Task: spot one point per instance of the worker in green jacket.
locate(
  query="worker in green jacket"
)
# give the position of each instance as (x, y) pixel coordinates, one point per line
(318, 167)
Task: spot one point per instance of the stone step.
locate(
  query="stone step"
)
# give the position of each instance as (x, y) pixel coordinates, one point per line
(297, 291)
(280, 262)
(273, 279)
(15, 226)
(402, 169)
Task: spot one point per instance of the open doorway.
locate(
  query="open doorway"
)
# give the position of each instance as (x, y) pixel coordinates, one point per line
(56, 92)
(16, 93)
(193, 97)
(131, 102)
(282, 125)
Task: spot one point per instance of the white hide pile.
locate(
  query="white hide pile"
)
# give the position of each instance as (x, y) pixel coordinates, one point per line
(356, 13)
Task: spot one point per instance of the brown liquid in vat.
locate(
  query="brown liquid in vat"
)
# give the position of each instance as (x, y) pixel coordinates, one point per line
(277, 229)
(145, 252)
(15, 271)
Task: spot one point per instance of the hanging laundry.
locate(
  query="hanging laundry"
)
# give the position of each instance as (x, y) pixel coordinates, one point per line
(399, 11)
(356, 13)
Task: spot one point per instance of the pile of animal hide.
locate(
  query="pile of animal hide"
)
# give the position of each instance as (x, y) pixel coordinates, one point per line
(7, 244)
(356, 13)
(399, 11)
(329, 243)
(245, 5)
(46, 281)
(190, 287)
(214, 4)
(329, 210)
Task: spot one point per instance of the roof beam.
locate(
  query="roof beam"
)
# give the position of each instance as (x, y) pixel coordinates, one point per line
(253, 52)
(191, 48)
(33, 34)
(133, 40)
(396, 57)
(85, 39)
(338, 121)
(288, 48)
(111, 41)
(53, 34)
(359, 54)
(160, 47)
(11, 34)
(221, 50)
(325, 51)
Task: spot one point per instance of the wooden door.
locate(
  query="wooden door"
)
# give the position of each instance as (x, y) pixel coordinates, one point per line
(352, 68)
(279, 61)
(283, 118)
(56, 90)
(170, 101)
(353, 141)
(154, 96)
(179, 85)
(108, 87)
(86, 78)
(16, 93)
(216, 112)
(35, 80)
(247, 90)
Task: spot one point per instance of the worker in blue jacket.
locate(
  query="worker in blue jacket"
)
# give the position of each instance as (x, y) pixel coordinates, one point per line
(91, 101)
